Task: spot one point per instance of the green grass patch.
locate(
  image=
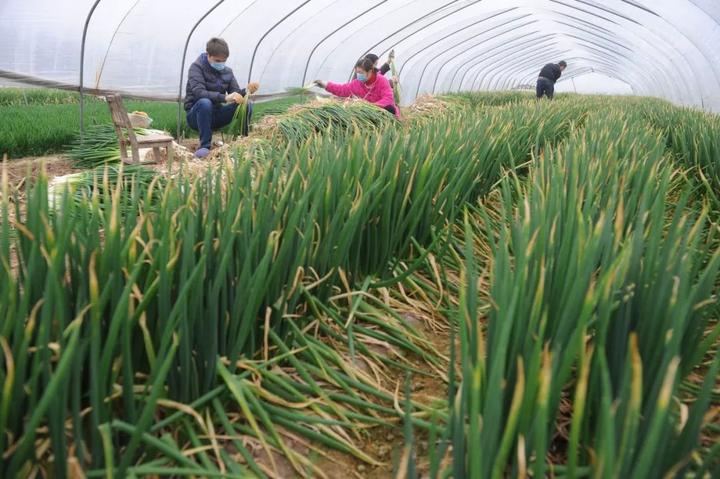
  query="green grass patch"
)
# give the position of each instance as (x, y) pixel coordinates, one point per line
(39, 122)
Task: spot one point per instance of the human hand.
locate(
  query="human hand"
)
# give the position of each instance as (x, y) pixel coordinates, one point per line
(320, 83)
(234, 97)
(396, 79)
(253, 87)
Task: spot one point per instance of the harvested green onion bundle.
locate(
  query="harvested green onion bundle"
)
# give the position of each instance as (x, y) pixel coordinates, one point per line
(102, 182)
(240, 125)
(332, 116)
(98, 146)
(397, 93)
(301, 91)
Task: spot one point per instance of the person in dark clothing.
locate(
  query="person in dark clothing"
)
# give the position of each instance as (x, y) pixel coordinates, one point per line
(549, 75)
(375, 59)
(385, 68)
(213, 94)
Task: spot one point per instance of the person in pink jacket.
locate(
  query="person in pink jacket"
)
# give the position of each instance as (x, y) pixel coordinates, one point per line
(369, 85)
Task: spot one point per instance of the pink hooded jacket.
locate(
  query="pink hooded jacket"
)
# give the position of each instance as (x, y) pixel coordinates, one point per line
(379, 92)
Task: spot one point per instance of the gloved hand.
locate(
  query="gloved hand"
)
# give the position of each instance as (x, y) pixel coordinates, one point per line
(253, 87)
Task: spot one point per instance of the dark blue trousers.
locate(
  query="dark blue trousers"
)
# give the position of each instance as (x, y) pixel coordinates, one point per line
(545, 87)
(204, 117)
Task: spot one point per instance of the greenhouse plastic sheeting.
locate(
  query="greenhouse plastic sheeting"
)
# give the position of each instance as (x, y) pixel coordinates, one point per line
(665, 48)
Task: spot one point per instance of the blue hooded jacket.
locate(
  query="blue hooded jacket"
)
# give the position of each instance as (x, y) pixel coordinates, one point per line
(206, 82)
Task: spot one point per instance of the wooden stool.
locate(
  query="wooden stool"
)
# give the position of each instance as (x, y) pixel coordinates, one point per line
(126, 135)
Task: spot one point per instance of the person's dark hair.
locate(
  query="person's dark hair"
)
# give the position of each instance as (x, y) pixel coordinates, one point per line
(563, 63)
(366, 64)
(217, 47)
(372, 57)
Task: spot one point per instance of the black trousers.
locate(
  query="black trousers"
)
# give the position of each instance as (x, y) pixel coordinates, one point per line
(545, 87)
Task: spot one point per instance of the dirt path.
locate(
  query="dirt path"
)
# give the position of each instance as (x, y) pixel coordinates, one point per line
(19, 170)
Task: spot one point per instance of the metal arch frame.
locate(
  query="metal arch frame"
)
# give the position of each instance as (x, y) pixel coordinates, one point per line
(112, 40)
(436, 56)
(596, 46)
(568, 76)
(586, 70)
(707, 14)
(632, 32)
(597, 66)
(289, 34)
(421, 50)
(607, 72)
(668, 45)
(648, 83)
(443, 17)
(609, 62)
(82, 67)
(502, 83)
(517, 62)
(476, 45)
(521, 60)
(641, 7)
(602, 67)
(594, 34)
(355, 32)
(660, 70)
(528, 39)
(262, 38)
(182, 65)
(498, 77)
(519, 73)
(576, 74)
(700, 51)
(595, 15)
(536, 38)
(611, 12)
(317, 45)
(606, 32)
(591, 66)
(581, 20)
(437, 75)
(610, 53)
(640, 80)
(652, 79)
(549, 44)
(478, 64)
(629, 34)
(237, 16)
(658, 59)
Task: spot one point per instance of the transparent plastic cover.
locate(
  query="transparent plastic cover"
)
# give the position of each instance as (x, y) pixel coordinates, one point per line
(665, 48)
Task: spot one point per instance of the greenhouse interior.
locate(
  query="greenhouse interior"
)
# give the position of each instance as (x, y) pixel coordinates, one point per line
(381, 239)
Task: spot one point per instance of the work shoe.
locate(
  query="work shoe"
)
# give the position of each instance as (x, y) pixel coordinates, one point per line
(202, 152)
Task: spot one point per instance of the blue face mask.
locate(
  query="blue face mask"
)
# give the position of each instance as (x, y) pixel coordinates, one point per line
(362, 77)
(218, 66)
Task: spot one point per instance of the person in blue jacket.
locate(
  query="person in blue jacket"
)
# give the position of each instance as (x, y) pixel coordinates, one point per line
(213, 94)
(549, 75)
